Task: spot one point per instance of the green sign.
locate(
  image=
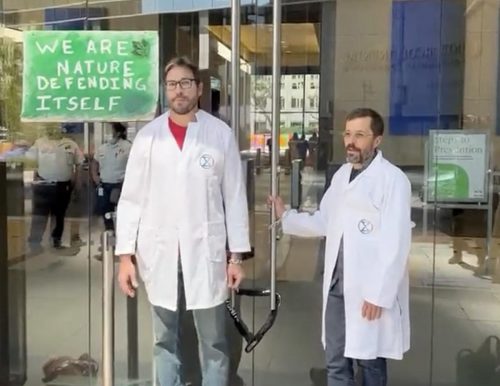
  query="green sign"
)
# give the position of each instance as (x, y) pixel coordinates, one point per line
(458, 166)
(72, 76)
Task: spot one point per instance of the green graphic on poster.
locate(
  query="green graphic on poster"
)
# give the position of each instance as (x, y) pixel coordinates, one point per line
(72, 76)
(458, 165)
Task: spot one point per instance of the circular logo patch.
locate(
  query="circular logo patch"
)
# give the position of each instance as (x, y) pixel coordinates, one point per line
(207, 161)
(365, 226)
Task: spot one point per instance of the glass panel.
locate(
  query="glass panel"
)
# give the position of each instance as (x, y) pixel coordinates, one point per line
(466, 316)
(374, 66)
(205, 37)
(291, 352)
(354, 63)
(55, 293)
(109, 145)
(423, 64)
(47, 243)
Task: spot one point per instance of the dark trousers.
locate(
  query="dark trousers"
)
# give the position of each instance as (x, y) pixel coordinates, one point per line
(340, 370)
(107, 201)
(51, 199)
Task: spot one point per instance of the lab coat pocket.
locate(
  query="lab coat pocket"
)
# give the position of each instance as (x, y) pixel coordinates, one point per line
(216, 235)
(147, 251)
(367, 239)
(215, 207)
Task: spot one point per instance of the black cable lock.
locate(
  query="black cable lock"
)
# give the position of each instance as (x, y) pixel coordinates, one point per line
(253, 339)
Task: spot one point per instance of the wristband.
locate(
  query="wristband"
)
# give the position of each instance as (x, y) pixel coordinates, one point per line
(234, 261)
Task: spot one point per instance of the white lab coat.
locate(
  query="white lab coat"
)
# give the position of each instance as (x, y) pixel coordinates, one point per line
(373, 214)
(179, 203)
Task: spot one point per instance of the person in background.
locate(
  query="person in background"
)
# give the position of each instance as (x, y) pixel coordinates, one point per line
(302, 147)
(108, 171)
(56, 176)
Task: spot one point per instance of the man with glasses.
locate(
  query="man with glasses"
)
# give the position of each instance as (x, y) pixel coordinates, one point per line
(183, 200)
(365, 216)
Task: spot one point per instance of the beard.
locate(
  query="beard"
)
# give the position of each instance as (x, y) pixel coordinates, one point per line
(357, 156)
(185, 107)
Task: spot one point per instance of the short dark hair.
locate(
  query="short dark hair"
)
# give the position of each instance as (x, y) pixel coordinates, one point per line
(183, 61)
(376, 124)
(120, 129)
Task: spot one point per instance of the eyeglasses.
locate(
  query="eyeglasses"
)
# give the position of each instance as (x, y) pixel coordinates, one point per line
(184, 83)
(357, 136)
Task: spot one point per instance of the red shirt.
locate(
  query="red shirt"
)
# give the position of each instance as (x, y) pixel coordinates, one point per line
(178, 131)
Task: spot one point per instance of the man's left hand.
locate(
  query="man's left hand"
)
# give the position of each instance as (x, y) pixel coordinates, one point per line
(371, 311)
(235, 275)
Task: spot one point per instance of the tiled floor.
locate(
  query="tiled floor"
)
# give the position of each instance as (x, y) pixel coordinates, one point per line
(461, 309)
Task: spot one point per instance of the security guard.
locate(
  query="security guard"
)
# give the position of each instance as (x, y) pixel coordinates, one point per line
(57, 174)
(108, 171)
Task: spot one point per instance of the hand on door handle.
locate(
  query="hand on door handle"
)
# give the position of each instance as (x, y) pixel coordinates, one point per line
(279, 206)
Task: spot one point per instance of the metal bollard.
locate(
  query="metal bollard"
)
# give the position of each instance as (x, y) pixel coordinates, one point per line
(250, 184)
(132, 338)
(296, 184)
(108, 308)
(258, 161)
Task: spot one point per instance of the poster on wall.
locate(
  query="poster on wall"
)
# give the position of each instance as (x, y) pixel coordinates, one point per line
(72, 76)
(457, 168)
(426, 67)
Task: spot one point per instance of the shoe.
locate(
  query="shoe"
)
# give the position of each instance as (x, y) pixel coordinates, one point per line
(318, 376)
(98, 257)
(63, 250)
(482, 270)
(237, 381)
(455, 260)
(77, 242)
(35, 250)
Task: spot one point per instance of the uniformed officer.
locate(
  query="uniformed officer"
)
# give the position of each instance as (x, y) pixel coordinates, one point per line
(108, 171)
(57, 174)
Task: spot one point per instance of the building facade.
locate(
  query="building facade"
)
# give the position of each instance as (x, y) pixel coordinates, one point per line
(430, 67)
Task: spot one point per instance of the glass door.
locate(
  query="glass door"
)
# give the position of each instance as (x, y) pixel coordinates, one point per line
(45, 240)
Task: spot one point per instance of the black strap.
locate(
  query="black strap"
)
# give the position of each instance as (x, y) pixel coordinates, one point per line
(253, 339)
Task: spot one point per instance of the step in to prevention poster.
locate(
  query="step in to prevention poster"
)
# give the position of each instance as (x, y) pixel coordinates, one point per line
(457, 168)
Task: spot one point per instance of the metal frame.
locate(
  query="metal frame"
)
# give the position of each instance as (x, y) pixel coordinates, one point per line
(108, 308)
(276, 89)
(235, 66)
(275, 299)
(4, 281)
(235, 79)
(296, 184)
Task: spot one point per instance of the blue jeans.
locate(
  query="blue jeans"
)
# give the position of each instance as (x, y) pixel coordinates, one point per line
(213, 346)
(339, 368)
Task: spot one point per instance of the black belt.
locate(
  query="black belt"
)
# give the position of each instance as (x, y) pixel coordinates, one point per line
(45, 182)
